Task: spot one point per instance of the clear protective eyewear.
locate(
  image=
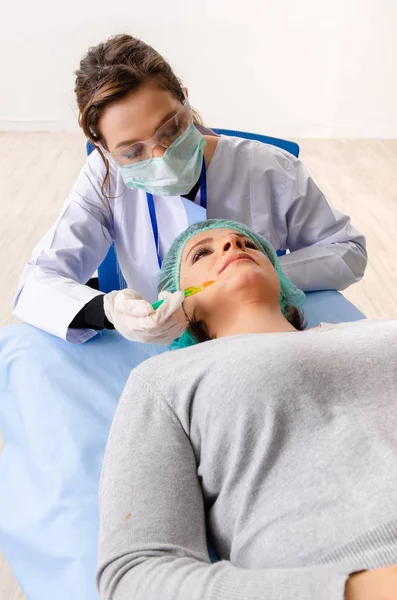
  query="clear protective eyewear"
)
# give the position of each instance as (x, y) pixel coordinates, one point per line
(164, 137)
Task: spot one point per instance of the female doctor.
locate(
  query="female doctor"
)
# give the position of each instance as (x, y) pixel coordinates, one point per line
(151, 150)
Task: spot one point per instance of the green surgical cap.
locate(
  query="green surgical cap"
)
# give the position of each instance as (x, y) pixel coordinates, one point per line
(168, 279)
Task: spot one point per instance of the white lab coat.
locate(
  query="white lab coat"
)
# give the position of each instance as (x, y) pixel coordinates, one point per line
(262, 186)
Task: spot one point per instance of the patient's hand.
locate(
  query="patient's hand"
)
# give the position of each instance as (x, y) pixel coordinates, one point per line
(376, 584)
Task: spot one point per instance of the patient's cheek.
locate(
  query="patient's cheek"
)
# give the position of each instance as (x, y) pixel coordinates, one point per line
(191, 276)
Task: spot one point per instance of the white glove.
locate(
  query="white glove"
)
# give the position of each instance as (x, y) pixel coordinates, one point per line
(136, 319)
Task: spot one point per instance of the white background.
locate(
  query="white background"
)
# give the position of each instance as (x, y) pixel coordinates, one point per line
(292, 68)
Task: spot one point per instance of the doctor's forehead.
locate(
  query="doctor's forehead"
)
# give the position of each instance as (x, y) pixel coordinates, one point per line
(137, 116)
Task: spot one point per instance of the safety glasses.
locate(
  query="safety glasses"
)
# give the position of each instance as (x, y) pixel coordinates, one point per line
(164, 137)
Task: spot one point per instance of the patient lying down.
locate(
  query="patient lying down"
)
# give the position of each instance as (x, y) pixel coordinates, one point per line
(275, 444)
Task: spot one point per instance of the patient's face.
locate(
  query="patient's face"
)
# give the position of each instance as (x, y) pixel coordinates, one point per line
(240, 270)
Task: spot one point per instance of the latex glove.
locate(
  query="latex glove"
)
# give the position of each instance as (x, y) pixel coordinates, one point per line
(136, 319)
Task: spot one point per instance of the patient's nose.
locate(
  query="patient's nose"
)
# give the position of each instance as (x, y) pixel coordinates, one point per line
(232, 242)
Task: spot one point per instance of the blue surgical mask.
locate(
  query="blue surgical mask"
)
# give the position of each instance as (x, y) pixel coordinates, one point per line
(175, 173)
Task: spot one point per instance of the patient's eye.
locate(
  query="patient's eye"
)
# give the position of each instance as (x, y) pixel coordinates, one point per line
(200, 253)
(250, 244)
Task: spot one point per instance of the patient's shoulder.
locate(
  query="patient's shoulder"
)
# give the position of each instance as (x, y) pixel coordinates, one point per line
(170, 379)
(181, 371)
(172, 364)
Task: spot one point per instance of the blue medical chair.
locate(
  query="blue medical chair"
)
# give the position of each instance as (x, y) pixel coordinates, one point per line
(110, 276)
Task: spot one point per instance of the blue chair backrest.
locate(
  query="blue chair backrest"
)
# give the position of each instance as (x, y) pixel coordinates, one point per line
(110, 276)
(291, 147)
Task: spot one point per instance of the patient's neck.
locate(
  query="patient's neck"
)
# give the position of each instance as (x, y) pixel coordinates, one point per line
(254, 317)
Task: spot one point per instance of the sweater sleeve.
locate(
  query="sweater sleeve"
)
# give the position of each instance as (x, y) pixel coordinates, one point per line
(92, 316)
(152, 540)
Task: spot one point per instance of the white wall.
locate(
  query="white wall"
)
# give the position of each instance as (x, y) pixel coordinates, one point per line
(295, 68)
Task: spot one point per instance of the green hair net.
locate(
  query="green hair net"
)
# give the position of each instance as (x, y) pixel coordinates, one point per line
(168, 279)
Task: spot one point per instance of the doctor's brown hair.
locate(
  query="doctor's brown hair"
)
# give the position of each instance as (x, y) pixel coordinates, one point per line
(111, 71)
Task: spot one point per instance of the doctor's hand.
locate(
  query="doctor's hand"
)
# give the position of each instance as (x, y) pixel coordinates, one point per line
(137, 321)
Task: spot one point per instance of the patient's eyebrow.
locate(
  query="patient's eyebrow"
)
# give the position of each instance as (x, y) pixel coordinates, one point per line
(205, 241)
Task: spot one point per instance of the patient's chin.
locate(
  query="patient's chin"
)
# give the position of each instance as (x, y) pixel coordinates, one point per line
(256, 283)
(245, 274)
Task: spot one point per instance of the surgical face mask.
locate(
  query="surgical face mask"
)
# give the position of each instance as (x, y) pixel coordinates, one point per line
(175, 173)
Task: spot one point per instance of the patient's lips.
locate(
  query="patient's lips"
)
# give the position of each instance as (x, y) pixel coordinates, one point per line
(235, 257)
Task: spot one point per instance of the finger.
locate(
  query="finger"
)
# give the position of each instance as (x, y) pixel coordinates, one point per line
(165, 333)
(130, 294)
(163, 295)
(132, 307)
(180, 295)
(170, 305)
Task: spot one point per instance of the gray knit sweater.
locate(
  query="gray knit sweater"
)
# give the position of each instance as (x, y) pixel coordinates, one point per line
(280, 449)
